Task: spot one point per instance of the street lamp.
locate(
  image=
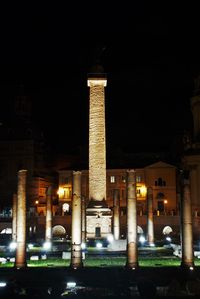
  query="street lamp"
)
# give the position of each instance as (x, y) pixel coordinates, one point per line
(165, 203)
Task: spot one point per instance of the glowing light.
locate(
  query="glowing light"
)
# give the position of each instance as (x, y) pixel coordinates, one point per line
(168, 239)
(61, 192)
(30, 246)
(37, 202)
(13, 245)
(110, 238)
(165, 201)
(47, 245)
(142, 239)
(83, 245)
(7, 230)
(71, 284)
(191, 268)
(2, 284)
(143, 190)
(99, 245)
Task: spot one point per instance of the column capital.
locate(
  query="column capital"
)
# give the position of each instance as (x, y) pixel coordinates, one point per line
(131, 171)
(78, 172)
(22, 170)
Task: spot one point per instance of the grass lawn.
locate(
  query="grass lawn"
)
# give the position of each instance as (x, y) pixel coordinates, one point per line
(106, 262)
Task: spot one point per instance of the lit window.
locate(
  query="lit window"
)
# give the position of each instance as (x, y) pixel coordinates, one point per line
(112, 179)
(138, 178)
(138, 191)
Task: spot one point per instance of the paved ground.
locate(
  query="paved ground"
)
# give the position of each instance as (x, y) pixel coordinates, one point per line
(105, 282)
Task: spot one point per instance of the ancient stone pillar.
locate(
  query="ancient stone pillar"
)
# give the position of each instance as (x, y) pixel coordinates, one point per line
(98, 214)
(97, 139)
(132, 255)
(14, 218)
(116, 221)
(20, 260)
(48, 231)
(76, 253)
(83, 218)
(187, 233)
(150, 224)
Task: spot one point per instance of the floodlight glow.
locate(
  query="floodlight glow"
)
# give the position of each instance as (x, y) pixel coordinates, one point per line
(83, 245)
(30, 246)
(99, 245)
(71, 284)
(3, 284)
(110, 238)
(47, 245)
(168, 239)
(142, 239)
(152, 245)
(13, 245)
(191, 268)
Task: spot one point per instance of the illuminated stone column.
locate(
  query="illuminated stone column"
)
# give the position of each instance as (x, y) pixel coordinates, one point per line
(150, 224)
(98, 215)
(132, 255)
(83, 216)
(97, 139)
(187, 233)
(14, 218)
(116, 221)
(20, 260)
(76, 253)
(48, 231)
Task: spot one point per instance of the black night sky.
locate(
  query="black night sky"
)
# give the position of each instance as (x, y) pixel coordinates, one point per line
(150, 53)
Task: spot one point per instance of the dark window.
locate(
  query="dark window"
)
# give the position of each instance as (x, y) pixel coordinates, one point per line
(161, 206)
(97, 232)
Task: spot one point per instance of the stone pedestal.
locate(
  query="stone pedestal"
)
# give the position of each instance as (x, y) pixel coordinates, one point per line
(98, 219)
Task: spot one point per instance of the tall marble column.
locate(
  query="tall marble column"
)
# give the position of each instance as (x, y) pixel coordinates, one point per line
(132, 254)
(97, 139)
(48, 231)
(150, 224)
(98, 214)
(83, 218)
(14, 218)
(187, 232)
(116, 220)
(76, 252)
(20, 260)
